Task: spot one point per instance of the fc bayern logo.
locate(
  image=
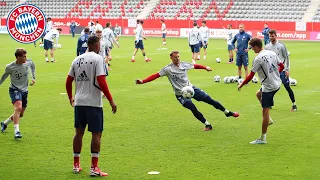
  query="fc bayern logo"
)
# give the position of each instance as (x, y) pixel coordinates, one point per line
(26, 23)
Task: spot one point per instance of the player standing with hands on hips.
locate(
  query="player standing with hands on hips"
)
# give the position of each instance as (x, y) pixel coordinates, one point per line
(267, 65)
(88, 72)
(18, 71)
(176, 73)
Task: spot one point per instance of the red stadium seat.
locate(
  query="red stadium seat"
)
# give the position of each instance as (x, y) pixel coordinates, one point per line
(123, 14)
(187, 2)
(178, 14)
(197, 6)
(87, 6)
(170, 3)
(130, 10)
(174, 2)
(181, 10)
(190, 10)
(105, 3)
(185, 10)
(164, 10)
(141, 2)
(155, 10)
(125, 2)
(191, 2)
(138, 6)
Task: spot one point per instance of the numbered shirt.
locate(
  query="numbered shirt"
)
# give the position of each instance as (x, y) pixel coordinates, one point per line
(108, 37)
(51, 35)
(194, 36)
(266, 65)
(85, 69)
(19, 74)
(177, 75)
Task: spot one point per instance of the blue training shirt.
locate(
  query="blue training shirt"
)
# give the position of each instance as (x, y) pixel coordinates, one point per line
(242, 39)
(265, 33)
(82, 44)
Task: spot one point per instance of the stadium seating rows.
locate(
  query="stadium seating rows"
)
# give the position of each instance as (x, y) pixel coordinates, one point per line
(281, 10)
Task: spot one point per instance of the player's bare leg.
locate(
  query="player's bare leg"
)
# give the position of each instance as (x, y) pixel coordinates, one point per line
(46, 55)
(194, 57)
(230, 57)
(204, 53)
(246, 71)
(259, 96)
(239, 71)
(77, 146)
(95, 149)
(164, 42)
(265, 123)
(6, 122)
(52, 55)
(16, 117)
(145, 56)
(134, 54)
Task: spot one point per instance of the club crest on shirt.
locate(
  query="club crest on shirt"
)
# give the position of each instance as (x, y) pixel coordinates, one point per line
(26, 23)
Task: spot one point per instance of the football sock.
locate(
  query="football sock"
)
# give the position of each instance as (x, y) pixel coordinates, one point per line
(204, 57)
(16, 128)
(263, 136)
(194, 110)
(52, 59)
(294, 103)
(214, 103)
(290, 92)
(94, 159)
(132, 57)
(199, 56)
(207, 123)
(226, 111)
(8, 121)
(193, 61)
(47, 59)
(76, 158)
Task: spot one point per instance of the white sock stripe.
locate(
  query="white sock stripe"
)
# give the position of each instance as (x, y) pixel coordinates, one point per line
(76, 154)
(94, 154)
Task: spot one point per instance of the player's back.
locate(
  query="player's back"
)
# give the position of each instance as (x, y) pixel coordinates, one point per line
(194, 36)
(82, 43)
(86, 68)
(266, 64)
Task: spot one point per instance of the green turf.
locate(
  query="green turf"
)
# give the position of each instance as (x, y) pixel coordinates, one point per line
(153, 132)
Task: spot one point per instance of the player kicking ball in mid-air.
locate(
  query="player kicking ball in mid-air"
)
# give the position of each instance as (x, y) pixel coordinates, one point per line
(280, 49)
(18, 71)
(268, 66)
(90, 79)
(176, 73)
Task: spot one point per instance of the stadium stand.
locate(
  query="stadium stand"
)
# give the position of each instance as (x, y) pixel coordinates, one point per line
(281, 10)
(316, 17)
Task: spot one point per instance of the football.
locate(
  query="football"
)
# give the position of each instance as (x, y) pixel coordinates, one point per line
(226, 80)
(59, 46)
(218, 60)
(293, 82)
(240, 81)
(187, 92)
(232, 79)
(217, 78)
(255, 79)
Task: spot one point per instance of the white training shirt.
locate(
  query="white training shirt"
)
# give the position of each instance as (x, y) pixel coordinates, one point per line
(98, 27)
(266, 65)
(194, 36)
(163, 28)
(139, 33)
(108, 37)
(53, 33)
(102, 51)
(85, 69)
(205, 33)
(49, 26)
(280, 49)
(177, 75)
(229, 37)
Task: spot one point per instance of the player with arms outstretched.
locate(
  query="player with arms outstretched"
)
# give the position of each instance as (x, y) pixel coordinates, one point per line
(268, 66)
(280, 49)
(176, 73)
(48, 42)
(18, 71)
(89, 75)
